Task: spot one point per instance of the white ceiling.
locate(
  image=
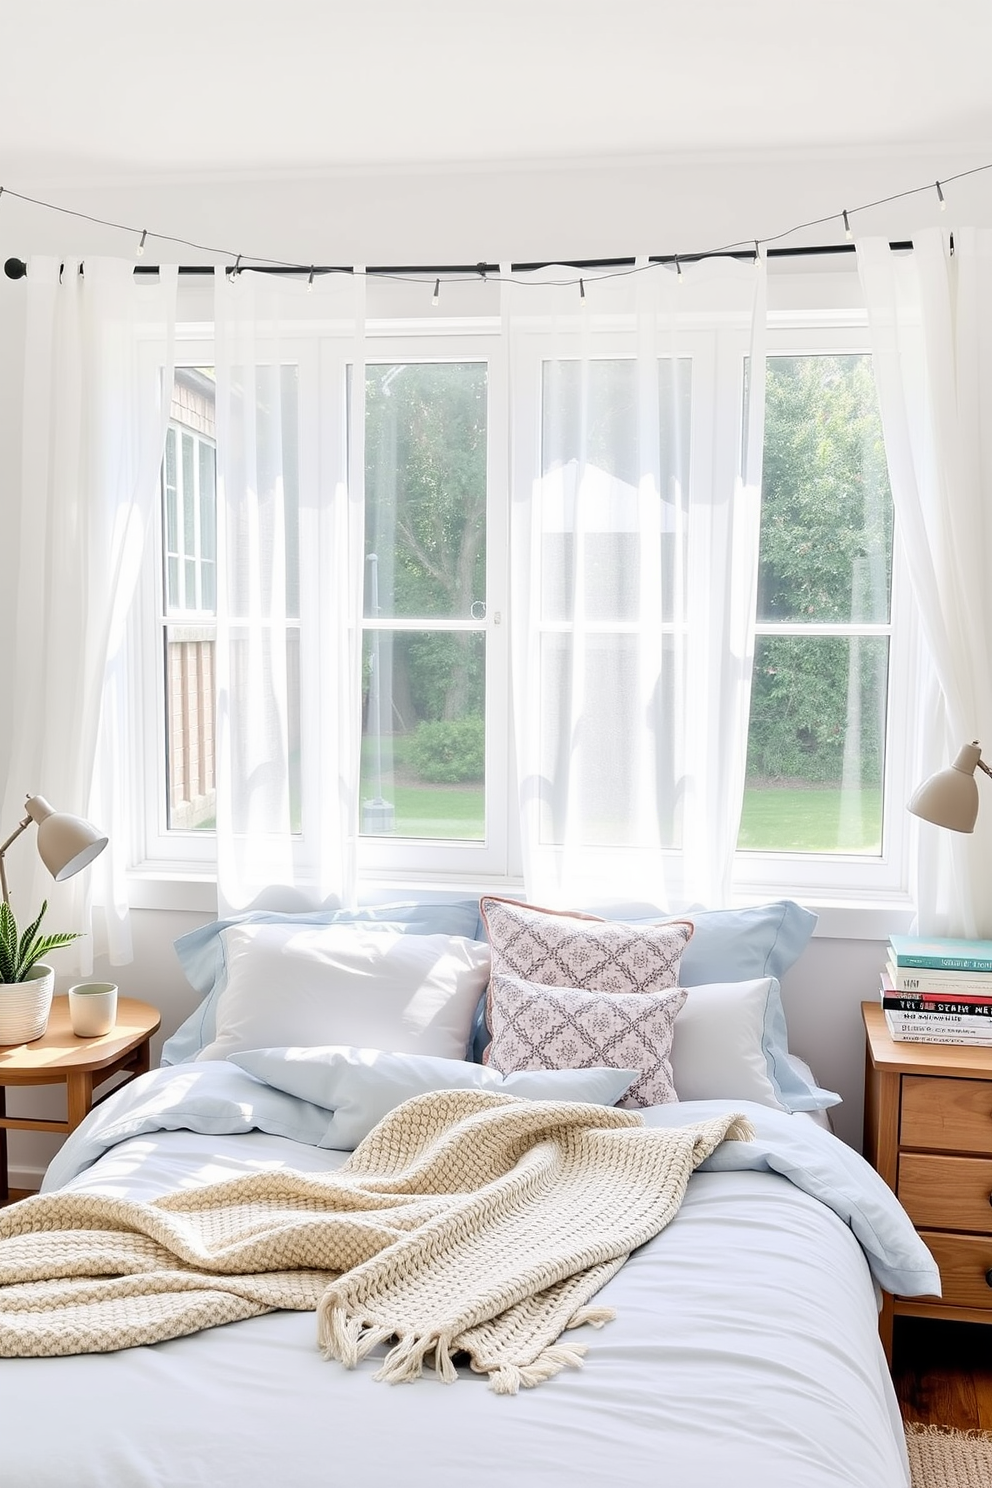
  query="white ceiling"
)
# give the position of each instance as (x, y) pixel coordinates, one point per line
(123, 89)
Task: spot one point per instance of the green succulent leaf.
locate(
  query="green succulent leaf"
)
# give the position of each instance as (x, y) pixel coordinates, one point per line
(8, 943)
(19, 953)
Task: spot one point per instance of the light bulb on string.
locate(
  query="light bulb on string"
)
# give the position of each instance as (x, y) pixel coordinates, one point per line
(678, 269)
(310, 280)
(847, 226)
(582, 289)
(940, 197)
(141, 244)
(437, 292)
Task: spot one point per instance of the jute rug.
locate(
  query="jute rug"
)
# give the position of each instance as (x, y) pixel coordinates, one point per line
(949, 1459)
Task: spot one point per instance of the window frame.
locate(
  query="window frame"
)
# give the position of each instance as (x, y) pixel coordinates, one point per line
(166, 866)
(849, 876)
(496, 857)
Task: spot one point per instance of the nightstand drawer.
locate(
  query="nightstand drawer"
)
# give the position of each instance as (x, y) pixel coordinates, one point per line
(946, 1193)
(949, 1115)
(964, 1262)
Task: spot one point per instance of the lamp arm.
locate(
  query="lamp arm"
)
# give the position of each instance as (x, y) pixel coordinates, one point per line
(22, 827)
(980, 762)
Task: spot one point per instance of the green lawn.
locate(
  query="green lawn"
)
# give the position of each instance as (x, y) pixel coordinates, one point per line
(774, 819)
(809, 819)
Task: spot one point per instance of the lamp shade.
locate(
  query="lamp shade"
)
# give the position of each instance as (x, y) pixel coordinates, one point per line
(950, 798)
(65, 843)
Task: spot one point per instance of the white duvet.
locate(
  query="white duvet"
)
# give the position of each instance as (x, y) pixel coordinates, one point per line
(744, 1354)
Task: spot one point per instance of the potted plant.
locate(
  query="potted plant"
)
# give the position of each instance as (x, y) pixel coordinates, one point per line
(26, 983)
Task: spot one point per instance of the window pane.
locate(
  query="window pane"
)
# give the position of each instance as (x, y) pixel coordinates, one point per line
(189, 504)
(265, 736)
(189, 699)
(264, 527)
(606, 455)
(816, 745)
(620, 769)
(826, 511)
(423, 734)
(425, 489)
(208, 500)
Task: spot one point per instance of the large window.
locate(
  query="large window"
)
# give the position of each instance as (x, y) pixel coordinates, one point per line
(437, 792)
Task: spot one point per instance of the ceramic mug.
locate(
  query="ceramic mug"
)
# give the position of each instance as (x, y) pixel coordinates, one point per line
(92, 1008)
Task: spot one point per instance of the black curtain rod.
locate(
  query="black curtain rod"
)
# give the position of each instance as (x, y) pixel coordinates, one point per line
(16, 268)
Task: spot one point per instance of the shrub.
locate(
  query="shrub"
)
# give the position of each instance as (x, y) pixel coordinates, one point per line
(449, 750)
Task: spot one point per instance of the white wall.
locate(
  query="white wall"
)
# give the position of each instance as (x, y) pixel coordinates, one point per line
(643, 205)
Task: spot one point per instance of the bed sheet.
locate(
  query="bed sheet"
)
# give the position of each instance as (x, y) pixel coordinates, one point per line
(744, 1354)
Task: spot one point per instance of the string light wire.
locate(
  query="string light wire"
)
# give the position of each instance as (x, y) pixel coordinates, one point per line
(482, 270)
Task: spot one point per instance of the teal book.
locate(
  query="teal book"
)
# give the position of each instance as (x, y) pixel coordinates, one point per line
(942, 953)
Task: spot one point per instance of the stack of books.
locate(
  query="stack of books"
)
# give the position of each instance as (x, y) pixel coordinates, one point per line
(938, 991)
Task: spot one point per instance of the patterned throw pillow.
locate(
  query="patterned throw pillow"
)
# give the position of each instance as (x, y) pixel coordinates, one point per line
(537, 1027)
(573, 950)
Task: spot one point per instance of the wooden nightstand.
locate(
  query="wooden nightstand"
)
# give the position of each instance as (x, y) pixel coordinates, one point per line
(80, 1064)
(928, 1132)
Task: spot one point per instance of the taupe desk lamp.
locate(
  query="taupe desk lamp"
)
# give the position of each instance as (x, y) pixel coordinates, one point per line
(950, 798)
(65, 843)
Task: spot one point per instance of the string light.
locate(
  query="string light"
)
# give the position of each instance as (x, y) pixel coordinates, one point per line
(236, 271)
(310, 280)
(582, 289)
(481, 269)
(437, 292)
(678, 269)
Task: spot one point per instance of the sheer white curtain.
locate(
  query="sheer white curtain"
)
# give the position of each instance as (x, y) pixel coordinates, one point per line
(634, 542)
(96, 407)
(290, 402)
(930, 313)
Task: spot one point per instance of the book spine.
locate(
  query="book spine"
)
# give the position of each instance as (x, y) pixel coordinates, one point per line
(977, 983)
(932, 1006)
(942, 963)
(943, 1023)
(901, 1036)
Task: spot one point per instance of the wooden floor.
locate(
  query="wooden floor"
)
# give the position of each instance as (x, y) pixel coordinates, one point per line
(942, 1371)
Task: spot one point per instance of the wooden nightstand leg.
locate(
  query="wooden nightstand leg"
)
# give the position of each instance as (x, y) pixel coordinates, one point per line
(143, 1058)
(4, 1174)
(79, 1096)
(886, 1319)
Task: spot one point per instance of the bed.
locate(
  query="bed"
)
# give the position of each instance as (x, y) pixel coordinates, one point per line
(744, 1348)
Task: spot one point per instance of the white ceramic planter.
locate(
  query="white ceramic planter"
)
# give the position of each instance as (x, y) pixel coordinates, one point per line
(24, 1006)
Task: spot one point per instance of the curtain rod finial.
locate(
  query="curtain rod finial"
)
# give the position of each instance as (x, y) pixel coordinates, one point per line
(15, 268)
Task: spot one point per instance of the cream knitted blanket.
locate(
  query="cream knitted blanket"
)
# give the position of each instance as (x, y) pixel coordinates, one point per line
(467, 1222)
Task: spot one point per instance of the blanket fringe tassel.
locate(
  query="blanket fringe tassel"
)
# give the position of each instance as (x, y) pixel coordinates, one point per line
(594, 1316)
(346, 1338)
(509, 1378)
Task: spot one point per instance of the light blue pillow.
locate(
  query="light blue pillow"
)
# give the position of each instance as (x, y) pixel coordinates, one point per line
(201, 953)
(361, 1086)
(734, 945)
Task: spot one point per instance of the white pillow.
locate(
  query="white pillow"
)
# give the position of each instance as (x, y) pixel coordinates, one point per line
(347, 984)
(721, 1047)
(362, 1085)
